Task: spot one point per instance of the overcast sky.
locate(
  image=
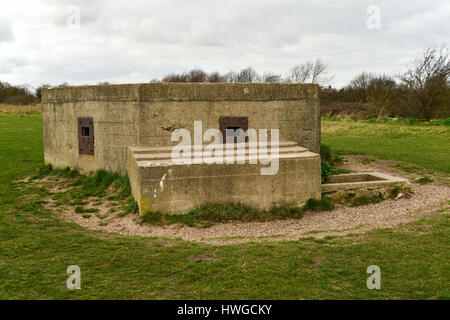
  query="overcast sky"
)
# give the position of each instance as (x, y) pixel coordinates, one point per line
(136, 41)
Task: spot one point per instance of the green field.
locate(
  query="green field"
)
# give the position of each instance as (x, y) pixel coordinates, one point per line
(424, 145)
(36, 249)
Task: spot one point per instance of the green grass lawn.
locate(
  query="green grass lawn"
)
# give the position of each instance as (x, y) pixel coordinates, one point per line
(426, 146)
(36, 249)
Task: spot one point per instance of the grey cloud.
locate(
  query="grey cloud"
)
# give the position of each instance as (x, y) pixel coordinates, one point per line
(139, 40)
(6, 34)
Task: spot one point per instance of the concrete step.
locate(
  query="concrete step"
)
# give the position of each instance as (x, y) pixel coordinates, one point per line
(168, 149)
(158, 181)
(281, 150)
(237, 159)
(162, 156)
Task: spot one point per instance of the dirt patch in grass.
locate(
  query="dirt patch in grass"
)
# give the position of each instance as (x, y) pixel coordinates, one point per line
(358, 163)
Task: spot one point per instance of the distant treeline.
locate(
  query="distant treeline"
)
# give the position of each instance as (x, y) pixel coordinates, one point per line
(421, 92)
(311, 71)
(18, 95)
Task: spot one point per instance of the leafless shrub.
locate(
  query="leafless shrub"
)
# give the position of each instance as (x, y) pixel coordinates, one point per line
(176, 78)
(425, 85)
(197, 75)
(215, 77)
(379, 95)
(271, 77)
(356, 90)
(301, 72)
(230, 77)
(247, 75)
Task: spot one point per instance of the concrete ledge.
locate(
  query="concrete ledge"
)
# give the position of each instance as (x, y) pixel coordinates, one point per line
(362, 180)
(184, 92)
(161, 185)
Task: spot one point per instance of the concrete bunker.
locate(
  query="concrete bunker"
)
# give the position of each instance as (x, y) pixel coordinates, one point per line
(128, 129)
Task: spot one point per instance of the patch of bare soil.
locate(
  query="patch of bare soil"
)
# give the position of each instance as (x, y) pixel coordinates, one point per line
(427, 200)
(358, 163)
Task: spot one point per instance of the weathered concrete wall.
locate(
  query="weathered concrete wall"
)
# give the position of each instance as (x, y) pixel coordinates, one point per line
(146, 115)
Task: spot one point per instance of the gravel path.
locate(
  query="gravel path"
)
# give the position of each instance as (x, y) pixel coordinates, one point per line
(426, 199)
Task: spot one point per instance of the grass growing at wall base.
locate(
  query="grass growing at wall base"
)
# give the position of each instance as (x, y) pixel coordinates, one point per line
(100, 185)
(206, 215)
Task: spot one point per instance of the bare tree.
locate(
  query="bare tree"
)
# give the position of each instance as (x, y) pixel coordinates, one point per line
(426, 84)
(247, 75)
(215, 77)
(230, 77)
(301, 72)
(271, 77)
(361, 81)
(379, 95)
(319, 71)
(176, 78)
(197, 75)
(309, 71)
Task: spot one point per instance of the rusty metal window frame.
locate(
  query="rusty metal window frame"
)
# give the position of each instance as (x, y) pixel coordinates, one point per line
(233, 122)
(85, 143)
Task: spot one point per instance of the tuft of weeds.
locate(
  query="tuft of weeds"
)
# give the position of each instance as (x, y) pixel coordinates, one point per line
(324, 204)
(66, 173)
(122, 213)
(43, 172)
(338, 159)
(327, 171)
(101, 183)
(122, 185)
(424, 180)
(394, 192)
(86, 210)
(79, 209)
(407, 168)
(325, 153)
(362, 201)
(132, 207)
(86, 216)
(366, 161)
(341, 171)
